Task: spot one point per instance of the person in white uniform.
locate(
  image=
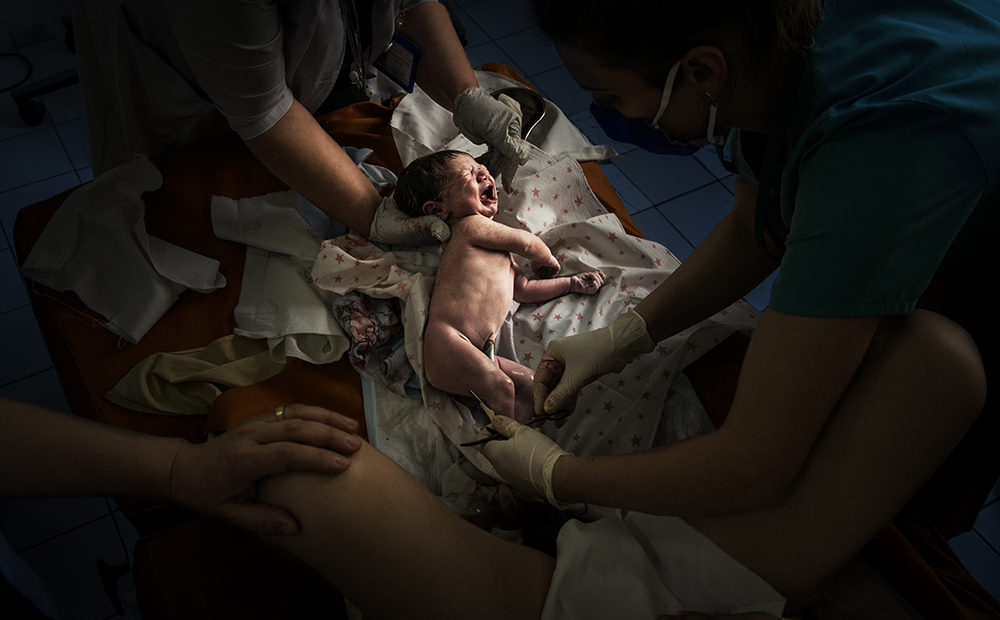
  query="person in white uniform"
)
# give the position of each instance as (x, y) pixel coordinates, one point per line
(159, 75)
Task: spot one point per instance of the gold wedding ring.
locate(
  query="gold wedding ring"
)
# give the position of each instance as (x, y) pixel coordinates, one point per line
(279, 412)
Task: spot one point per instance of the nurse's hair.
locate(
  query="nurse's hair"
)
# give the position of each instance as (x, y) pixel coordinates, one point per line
(648, 37)
(425, 178)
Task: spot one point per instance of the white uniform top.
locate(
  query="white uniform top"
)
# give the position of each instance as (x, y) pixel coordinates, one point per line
(168, 68)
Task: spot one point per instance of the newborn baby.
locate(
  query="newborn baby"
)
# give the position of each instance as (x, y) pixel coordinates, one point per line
(477, 279)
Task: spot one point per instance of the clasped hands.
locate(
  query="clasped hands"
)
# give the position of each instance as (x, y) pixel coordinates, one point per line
(219, 477)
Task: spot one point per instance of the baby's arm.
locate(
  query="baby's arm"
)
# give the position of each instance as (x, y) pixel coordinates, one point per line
(537, 291)
(486, 233)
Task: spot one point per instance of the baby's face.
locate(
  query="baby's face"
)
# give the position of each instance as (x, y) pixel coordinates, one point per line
(472, 191)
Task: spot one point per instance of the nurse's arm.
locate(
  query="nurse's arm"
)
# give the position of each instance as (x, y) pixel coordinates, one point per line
(300, 153)
(795, 372)
(722, 269)
(443, 70)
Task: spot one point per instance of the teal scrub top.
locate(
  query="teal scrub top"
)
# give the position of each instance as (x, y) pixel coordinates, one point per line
(893, 144)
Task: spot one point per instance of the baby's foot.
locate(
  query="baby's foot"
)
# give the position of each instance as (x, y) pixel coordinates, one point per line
(586, 283)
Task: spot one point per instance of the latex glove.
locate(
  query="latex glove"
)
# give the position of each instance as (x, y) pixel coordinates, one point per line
(219, 477)
(392, 226)
(573, 362)
(496, 122)
(525, 460)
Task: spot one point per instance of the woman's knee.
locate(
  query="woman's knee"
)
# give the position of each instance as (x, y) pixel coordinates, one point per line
(939, 351)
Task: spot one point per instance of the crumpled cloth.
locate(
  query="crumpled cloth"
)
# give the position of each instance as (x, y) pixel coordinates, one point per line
(278, 302)
(96, 245)
(377, 345)
(188, 382)
(635, 565)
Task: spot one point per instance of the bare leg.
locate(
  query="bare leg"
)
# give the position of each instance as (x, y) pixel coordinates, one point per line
(396, 551)
(524, 386)
(912, 400)
(454, 365)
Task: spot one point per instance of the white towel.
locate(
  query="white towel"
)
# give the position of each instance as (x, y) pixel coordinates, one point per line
(277, 299)
(96, 245)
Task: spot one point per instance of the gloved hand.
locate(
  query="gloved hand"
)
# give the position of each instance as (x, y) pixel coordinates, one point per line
(573, 362)
(496, 122)
(525, 460)
(392, 226)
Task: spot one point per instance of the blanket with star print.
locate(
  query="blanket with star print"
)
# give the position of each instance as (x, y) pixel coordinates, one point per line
(629, 411)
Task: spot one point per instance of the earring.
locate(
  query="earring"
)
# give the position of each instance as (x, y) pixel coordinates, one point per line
(711, 99)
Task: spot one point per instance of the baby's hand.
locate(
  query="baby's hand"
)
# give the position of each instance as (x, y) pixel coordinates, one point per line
(586, 283)
(545, 267)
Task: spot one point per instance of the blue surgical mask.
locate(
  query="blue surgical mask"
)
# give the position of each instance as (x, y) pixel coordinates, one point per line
(646, 134)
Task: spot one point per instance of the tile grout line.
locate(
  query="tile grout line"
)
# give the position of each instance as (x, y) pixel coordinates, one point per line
(32, 375)
(987, 542)
(91, 521)
(37, 181)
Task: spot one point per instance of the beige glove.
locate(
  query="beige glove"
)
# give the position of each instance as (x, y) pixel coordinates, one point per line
(525, 460)
(392, 226)
(497, 123)
(573, 362)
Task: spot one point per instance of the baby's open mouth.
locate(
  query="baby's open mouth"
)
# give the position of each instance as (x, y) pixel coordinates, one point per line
(489, 195)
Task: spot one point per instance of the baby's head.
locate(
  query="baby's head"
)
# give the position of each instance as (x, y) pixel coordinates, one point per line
(449, 184)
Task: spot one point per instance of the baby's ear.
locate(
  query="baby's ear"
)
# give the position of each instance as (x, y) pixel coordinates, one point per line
(435, 207)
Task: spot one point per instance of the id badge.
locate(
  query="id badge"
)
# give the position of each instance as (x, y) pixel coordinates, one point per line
(399, 62)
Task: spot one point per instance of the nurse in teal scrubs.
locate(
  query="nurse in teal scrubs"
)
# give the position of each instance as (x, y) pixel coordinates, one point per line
(865, 142)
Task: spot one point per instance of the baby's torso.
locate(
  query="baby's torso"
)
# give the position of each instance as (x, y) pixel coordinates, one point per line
(473, 288)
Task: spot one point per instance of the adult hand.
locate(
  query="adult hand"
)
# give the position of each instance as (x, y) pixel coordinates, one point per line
(496, 122)
(573, 362)
(392, 226)
(219, 477)
(525, 460)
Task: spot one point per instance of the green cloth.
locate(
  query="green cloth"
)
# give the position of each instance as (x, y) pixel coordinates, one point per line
(188, 382)
(894, 142)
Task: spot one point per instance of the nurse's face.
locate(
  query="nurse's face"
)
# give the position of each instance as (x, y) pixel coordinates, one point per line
(631, 95)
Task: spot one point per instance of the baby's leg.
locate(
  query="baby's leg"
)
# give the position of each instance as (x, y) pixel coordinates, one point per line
(524, 385)
(454, 365)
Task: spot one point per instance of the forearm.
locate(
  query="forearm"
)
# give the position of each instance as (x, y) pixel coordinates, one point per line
(721, 270)
(443, 70)
(704, 475)
(46, 453)
(538, 291)
(300, 153)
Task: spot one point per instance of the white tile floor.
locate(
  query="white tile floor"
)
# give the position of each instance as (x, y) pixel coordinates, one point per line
(673, 200)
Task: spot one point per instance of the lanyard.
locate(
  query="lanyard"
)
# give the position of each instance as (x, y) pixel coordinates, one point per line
(359, 66)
